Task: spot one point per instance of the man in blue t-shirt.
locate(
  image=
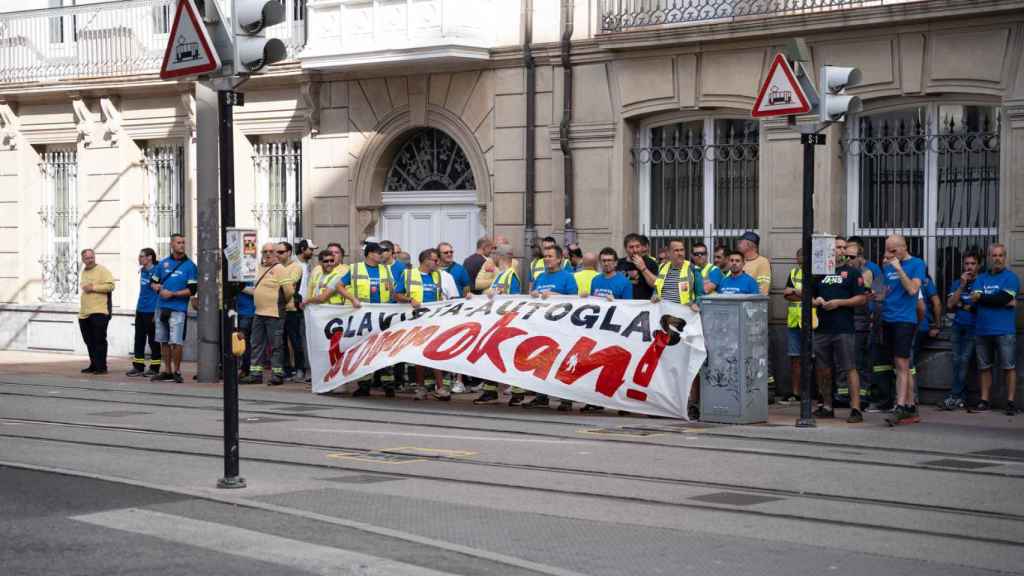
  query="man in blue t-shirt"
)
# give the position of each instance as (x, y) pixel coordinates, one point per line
(145, 325)
(449, 265)
(962, 331)
(904, 275)
(995, 296)
(737, 281)
(610, 283)
(554, 280)
(176, 280)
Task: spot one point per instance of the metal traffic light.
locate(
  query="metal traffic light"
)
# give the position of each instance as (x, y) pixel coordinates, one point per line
(252, 49)
(835, 104)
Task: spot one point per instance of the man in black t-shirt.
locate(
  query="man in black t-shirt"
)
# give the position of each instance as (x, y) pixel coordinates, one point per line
(633, 265)
(837, 295)
(476, 261)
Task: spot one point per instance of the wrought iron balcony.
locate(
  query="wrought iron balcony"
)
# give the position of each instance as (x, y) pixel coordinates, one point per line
(109, 39)
(626, 15)
(347, 32)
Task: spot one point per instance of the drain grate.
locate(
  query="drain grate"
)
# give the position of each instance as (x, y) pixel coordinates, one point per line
(119, 413)
(734, 498)
(1002, 453)
(362, 479)
(961, 464)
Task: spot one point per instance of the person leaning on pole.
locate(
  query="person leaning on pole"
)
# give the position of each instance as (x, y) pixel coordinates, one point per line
(95, 310)
(145, 325)
(506, 282)
(273, 289)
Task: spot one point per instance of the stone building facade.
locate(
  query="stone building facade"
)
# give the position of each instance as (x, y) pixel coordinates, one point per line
(447, 119)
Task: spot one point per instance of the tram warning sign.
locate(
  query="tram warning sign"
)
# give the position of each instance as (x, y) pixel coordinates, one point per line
(189, 50)
(781, 94)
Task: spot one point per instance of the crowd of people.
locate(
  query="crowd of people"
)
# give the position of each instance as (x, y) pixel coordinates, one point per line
(869, 321)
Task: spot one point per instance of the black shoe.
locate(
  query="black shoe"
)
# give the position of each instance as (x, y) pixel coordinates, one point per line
(565, 406)
(592, 408)
(251, 378)
(389, 392)
(152, 371)
(99, 371)
(88, 370)
(359, 392)
(488, 397)
(982, 406)
(693, 412)
(539, 401)
(276, 380)
(177, 378)
(135, 373)
(823, 412)
(855, 417)
(1011, 409)
(161, 377)
(516, 400)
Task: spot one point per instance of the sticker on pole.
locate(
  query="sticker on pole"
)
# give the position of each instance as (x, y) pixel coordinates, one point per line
(781, 94)
(189, 49)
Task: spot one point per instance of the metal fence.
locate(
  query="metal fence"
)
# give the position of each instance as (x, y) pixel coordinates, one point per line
(623, 15)
(59, 215)
(930, 174)
(107, 39)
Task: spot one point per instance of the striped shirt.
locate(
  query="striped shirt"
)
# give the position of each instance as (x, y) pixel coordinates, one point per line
(670, 290)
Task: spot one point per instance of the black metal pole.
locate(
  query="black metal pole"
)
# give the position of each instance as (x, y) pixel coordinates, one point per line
(231, 479)
(806, 419)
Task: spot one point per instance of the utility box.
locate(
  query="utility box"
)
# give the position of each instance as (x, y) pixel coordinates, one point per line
(734, 383)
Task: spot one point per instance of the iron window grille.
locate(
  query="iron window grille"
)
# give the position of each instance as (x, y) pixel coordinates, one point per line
(698, 180)
(430, 160)
(624, 15)
(278, 210)
(931, 174)
(165, 189)
(59, 215)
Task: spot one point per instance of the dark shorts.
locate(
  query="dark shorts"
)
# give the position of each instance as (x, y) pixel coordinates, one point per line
(835, 350)
(899, 338)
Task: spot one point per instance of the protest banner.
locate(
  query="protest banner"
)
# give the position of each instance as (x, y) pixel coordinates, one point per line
(627, 354)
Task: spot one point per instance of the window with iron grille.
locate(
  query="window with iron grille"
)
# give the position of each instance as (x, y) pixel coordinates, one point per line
(165, 190)
(929, 173)
(59, 214)
(278, 177)
(698, 180)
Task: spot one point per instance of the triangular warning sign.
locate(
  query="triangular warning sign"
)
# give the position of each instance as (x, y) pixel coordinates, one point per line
(189, 50)
(780, 94)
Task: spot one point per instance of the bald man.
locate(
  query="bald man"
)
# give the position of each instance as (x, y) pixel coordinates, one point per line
(587, 272)
(904, 274)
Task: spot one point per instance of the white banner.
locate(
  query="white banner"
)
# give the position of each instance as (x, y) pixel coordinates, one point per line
(628, 354)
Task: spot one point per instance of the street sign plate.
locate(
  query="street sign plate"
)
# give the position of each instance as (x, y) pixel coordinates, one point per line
(781, 93)
(189, 50)
(813, 139)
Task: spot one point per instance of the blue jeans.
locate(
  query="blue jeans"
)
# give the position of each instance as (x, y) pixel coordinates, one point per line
(963, 352)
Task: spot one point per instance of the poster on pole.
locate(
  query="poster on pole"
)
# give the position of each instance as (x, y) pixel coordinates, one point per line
(628, 355)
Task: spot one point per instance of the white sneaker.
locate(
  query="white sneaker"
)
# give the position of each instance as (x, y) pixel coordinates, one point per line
(300, 376)
(458, 388)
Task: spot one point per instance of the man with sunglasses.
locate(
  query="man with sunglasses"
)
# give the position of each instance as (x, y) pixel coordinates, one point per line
(271, 293)
(449, 265)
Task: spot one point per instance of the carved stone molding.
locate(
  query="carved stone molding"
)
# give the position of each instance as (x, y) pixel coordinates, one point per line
(188, 103)
(83, 119)
(367, 220)
(111, 120)
(310, 93)
(9, 126)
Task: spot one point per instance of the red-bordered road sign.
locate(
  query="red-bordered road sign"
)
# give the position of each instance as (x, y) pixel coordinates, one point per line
(189, 49)
(780, 95)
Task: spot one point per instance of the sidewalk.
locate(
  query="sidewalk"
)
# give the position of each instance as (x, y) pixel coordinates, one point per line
(69, 366)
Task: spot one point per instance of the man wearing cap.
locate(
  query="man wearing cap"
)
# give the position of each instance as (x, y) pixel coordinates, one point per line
(305, 251)
(371, 281)
(757, 266)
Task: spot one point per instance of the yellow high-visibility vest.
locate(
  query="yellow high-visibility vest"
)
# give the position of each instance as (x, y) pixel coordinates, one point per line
(583, 280)
(686, 279)
(414, 284)
(359, 282)
(504, 280)
(794, 316)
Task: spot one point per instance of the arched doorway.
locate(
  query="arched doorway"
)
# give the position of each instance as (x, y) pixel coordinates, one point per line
(430, 195)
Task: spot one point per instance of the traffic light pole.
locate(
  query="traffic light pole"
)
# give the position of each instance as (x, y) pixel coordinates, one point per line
(226, 100)
(806, 419)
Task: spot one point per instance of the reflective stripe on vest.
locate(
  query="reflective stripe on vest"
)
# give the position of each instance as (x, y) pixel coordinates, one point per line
(584, 279)
(414, 283)
(686, 289)
(504, 280)
(337, 273)
(359, 282)
(313, 282)
(706, 270)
